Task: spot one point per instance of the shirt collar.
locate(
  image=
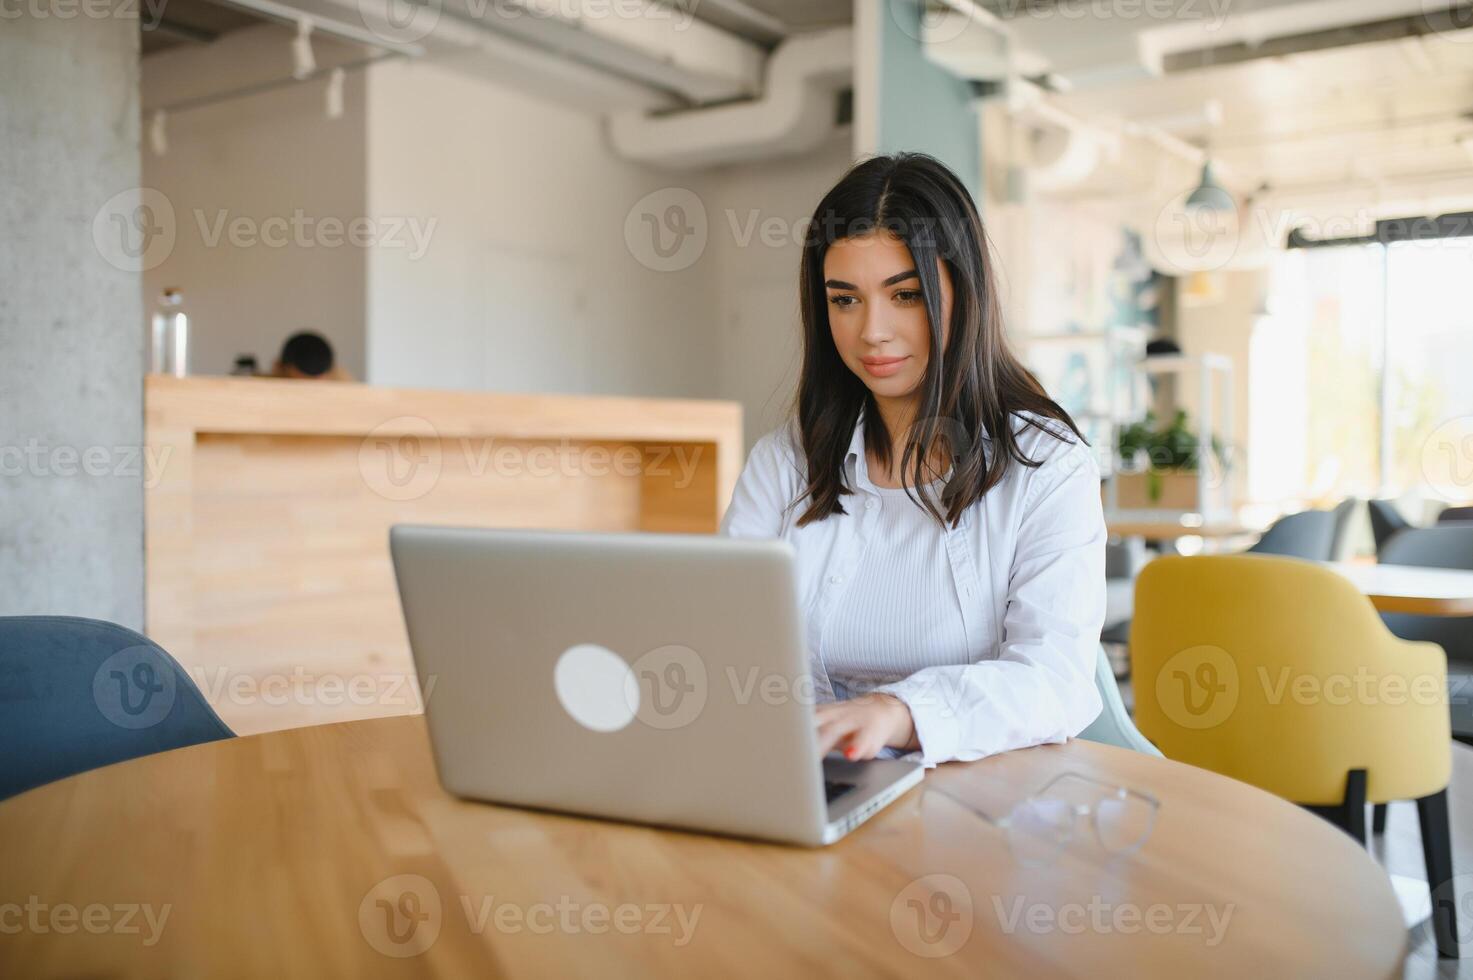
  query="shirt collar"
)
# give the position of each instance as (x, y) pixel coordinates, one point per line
(856, 459)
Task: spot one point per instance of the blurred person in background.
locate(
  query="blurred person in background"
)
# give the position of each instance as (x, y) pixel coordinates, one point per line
(307, 355)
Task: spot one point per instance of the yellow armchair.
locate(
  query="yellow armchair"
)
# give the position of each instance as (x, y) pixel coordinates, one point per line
(1278, 672)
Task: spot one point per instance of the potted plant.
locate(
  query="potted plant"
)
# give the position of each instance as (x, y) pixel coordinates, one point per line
(1159, 464)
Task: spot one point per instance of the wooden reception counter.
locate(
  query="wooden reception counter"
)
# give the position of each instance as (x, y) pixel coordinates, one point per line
(268, 505)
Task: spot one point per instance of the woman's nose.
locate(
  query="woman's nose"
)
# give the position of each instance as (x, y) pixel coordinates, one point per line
(874, 329)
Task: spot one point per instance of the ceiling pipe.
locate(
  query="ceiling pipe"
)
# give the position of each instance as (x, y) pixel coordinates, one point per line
(795, 113)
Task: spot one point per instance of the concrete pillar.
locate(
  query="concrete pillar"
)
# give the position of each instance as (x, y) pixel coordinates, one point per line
(71, 336)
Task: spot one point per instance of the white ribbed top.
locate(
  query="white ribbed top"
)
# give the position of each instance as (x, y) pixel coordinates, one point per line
(900, 613)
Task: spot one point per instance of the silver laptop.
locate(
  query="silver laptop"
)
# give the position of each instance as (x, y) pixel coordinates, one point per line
(658, 678)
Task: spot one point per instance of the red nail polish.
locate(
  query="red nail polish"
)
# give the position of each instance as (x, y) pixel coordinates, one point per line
(850, 752)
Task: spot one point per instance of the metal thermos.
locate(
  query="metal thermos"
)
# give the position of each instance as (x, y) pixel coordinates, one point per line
(169, 351)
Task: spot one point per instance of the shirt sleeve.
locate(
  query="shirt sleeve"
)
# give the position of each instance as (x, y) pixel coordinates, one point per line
(761, 505)
(759, 501)
(1041, 688)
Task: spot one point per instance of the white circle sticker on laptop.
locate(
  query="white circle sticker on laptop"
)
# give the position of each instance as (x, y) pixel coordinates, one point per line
(592, 684)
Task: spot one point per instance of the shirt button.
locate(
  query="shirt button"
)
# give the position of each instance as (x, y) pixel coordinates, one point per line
(871, 504)
(835, 579)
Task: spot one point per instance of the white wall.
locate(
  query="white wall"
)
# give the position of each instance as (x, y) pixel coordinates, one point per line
(516, 265)
(527, 283)
(272, 157)
(757, 215)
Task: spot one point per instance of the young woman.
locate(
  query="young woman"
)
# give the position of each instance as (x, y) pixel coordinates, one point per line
(945, 511)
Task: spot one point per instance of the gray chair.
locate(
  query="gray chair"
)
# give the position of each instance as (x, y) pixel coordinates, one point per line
(76, 694)
(1343, 512)
(1386, 522)
(1451, 514)
(1316, 535)
(1440, 546)
(1113, 726)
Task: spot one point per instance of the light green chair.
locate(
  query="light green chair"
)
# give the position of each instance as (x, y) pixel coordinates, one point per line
(1113, 726)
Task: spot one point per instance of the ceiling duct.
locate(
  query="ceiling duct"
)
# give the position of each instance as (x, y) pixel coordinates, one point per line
(796, 112)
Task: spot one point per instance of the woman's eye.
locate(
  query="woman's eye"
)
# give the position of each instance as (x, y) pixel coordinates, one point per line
(908, 296)
(843, 302)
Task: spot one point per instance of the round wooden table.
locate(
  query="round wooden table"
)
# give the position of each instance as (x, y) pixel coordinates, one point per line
(333, 851)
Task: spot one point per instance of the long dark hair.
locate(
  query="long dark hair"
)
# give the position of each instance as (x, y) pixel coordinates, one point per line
(968, 395)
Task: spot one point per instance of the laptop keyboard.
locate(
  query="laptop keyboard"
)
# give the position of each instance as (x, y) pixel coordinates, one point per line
(833, 790)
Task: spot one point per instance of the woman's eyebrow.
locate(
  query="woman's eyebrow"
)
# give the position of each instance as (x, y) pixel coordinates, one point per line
(898, 277)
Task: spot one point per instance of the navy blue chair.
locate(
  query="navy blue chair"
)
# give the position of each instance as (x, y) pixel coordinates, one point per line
(1452, 515)
(76, 694)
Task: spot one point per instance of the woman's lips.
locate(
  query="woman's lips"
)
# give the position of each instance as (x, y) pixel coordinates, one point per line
(882, 367)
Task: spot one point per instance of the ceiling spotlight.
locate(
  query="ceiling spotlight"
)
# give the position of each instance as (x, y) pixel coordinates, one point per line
(302, 59)
(158, 136)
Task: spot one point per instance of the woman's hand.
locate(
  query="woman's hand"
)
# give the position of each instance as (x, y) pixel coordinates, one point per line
(861, 726)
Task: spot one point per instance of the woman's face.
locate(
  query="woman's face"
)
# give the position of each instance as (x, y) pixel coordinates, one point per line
(876, 312)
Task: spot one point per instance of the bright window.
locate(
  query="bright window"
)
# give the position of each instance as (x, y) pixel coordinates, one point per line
(1363, 367)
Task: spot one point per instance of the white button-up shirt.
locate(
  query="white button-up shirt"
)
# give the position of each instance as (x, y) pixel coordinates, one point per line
(1027, 564)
